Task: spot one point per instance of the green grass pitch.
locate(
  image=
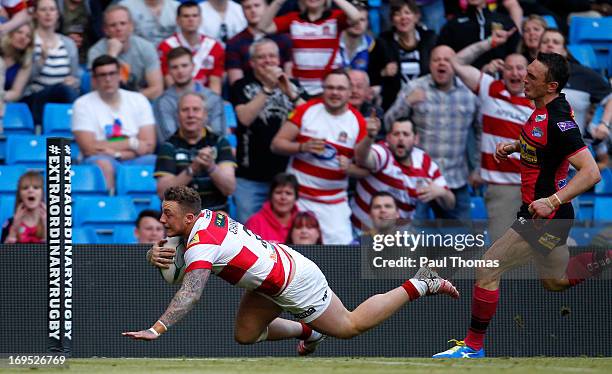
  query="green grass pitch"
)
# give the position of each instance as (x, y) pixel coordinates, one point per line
(332, 365)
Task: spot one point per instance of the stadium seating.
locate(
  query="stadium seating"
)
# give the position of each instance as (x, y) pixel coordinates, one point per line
(103, 212)
(232, 140)
(81, 235)
(586, 205)
(479, 211)
(603, 209)
(590, 30)
(550, 21)
(2, 148)
(605, 186)
(584, 235)
(88, 180)
(585, 54)
(124, 235)
(9, 175)
(18, 119)
(230, 116)
(26, 149)
(102, 235)
(57, 120)
(7, 207)
(136, 180)
(85, 81)
(594, 31)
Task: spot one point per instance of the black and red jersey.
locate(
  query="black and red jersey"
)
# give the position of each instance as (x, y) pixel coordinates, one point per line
(547, 140)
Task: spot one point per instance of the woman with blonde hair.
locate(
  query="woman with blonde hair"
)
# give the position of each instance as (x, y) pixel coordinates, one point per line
(17, 47)
(29, 222)
(533, 28)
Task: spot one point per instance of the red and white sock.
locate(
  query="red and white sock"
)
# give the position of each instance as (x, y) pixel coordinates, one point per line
(308, 334)
(415, 288)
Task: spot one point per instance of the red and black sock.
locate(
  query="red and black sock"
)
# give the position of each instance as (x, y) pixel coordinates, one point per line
(587, 265)
(484, 304)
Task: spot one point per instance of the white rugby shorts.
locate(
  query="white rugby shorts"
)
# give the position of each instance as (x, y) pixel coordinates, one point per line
(308, 295)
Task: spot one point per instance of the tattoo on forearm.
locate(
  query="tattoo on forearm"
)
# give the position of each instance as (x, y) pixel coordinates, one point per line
(187, 297)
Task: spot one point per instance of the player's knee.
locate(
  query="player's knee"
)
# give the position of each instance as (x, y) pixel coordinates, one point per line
(552, 285)
(245, 339)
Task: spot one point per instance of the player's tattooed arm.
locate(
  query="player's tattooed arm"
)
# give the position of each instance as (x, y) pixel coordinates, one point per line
(187, 297)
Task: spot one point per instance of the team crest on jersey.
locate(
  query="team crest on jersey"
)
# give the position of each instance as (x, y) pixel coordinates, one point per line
(343, 137)
(220, 220)
(194, 240)
(540, 117)
(537, 132)
(549, 241)
(566, 125)
(329, 153)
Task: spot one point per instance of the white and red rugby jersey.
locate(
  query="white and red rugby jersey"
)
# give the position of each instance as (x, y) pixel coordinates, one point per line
(315, 45)
(320, 177)
(399, 180)
(208, 56)
(503, 116)
(237, 255)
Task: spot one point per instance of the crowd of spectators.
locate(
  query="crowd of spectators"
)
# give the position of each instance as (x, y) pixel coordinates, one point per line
(330, 116)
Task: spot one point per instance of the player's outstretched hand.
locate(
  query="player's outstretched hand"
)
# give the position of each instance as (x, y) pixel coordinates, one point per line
(141, 335)
(160, 256)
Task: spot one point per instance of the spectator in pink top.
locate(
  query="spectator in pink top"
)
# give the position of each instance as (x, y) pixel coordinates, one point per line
(275, 218)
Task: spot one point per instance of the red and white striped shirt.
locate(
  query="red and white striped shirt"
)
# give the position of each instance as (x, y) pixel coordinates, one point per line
(320, 176)
(503, 116)
(237, 255)
(13, 7)
(208, 56)
(398, 179)
(314, 45)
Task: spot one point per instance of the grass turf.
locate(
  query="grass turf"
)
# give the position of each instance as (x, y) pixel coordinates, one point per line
(347, 365)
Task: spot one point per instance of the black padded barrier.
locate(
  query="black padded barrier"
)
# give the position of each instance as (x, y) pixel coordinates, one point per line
(116, 290)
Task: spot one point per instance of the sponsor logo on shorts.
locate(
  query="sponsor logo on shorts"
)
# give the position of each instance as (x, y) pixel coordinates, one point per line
(306, 313)
(325, 295)
(566, 125)
(549, 241)
(522, 220)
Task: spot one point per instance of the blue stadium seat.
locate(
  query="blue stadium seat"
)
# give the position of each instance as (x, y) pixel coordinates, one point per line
(103, 212)
(590, 30)
(594, 31)
(85, 81)
(102, 235)
(2, 148)
(585, 54)
(610, 62)
(479, 211)
(124, 235)
(57, 120)
(88, 180)
(550, 21)
(584, 235)
(7, 207)
(9, 175)
(603, 209)
(18, 119)
(604, 187)
(82, 235)
(586, 207)
(232, 140)
(136, 180)
(26, 149)
(230, 116)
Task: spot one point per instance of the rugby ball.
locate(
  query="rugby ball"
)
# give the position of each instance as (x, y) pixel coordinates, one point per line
(176, 270)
